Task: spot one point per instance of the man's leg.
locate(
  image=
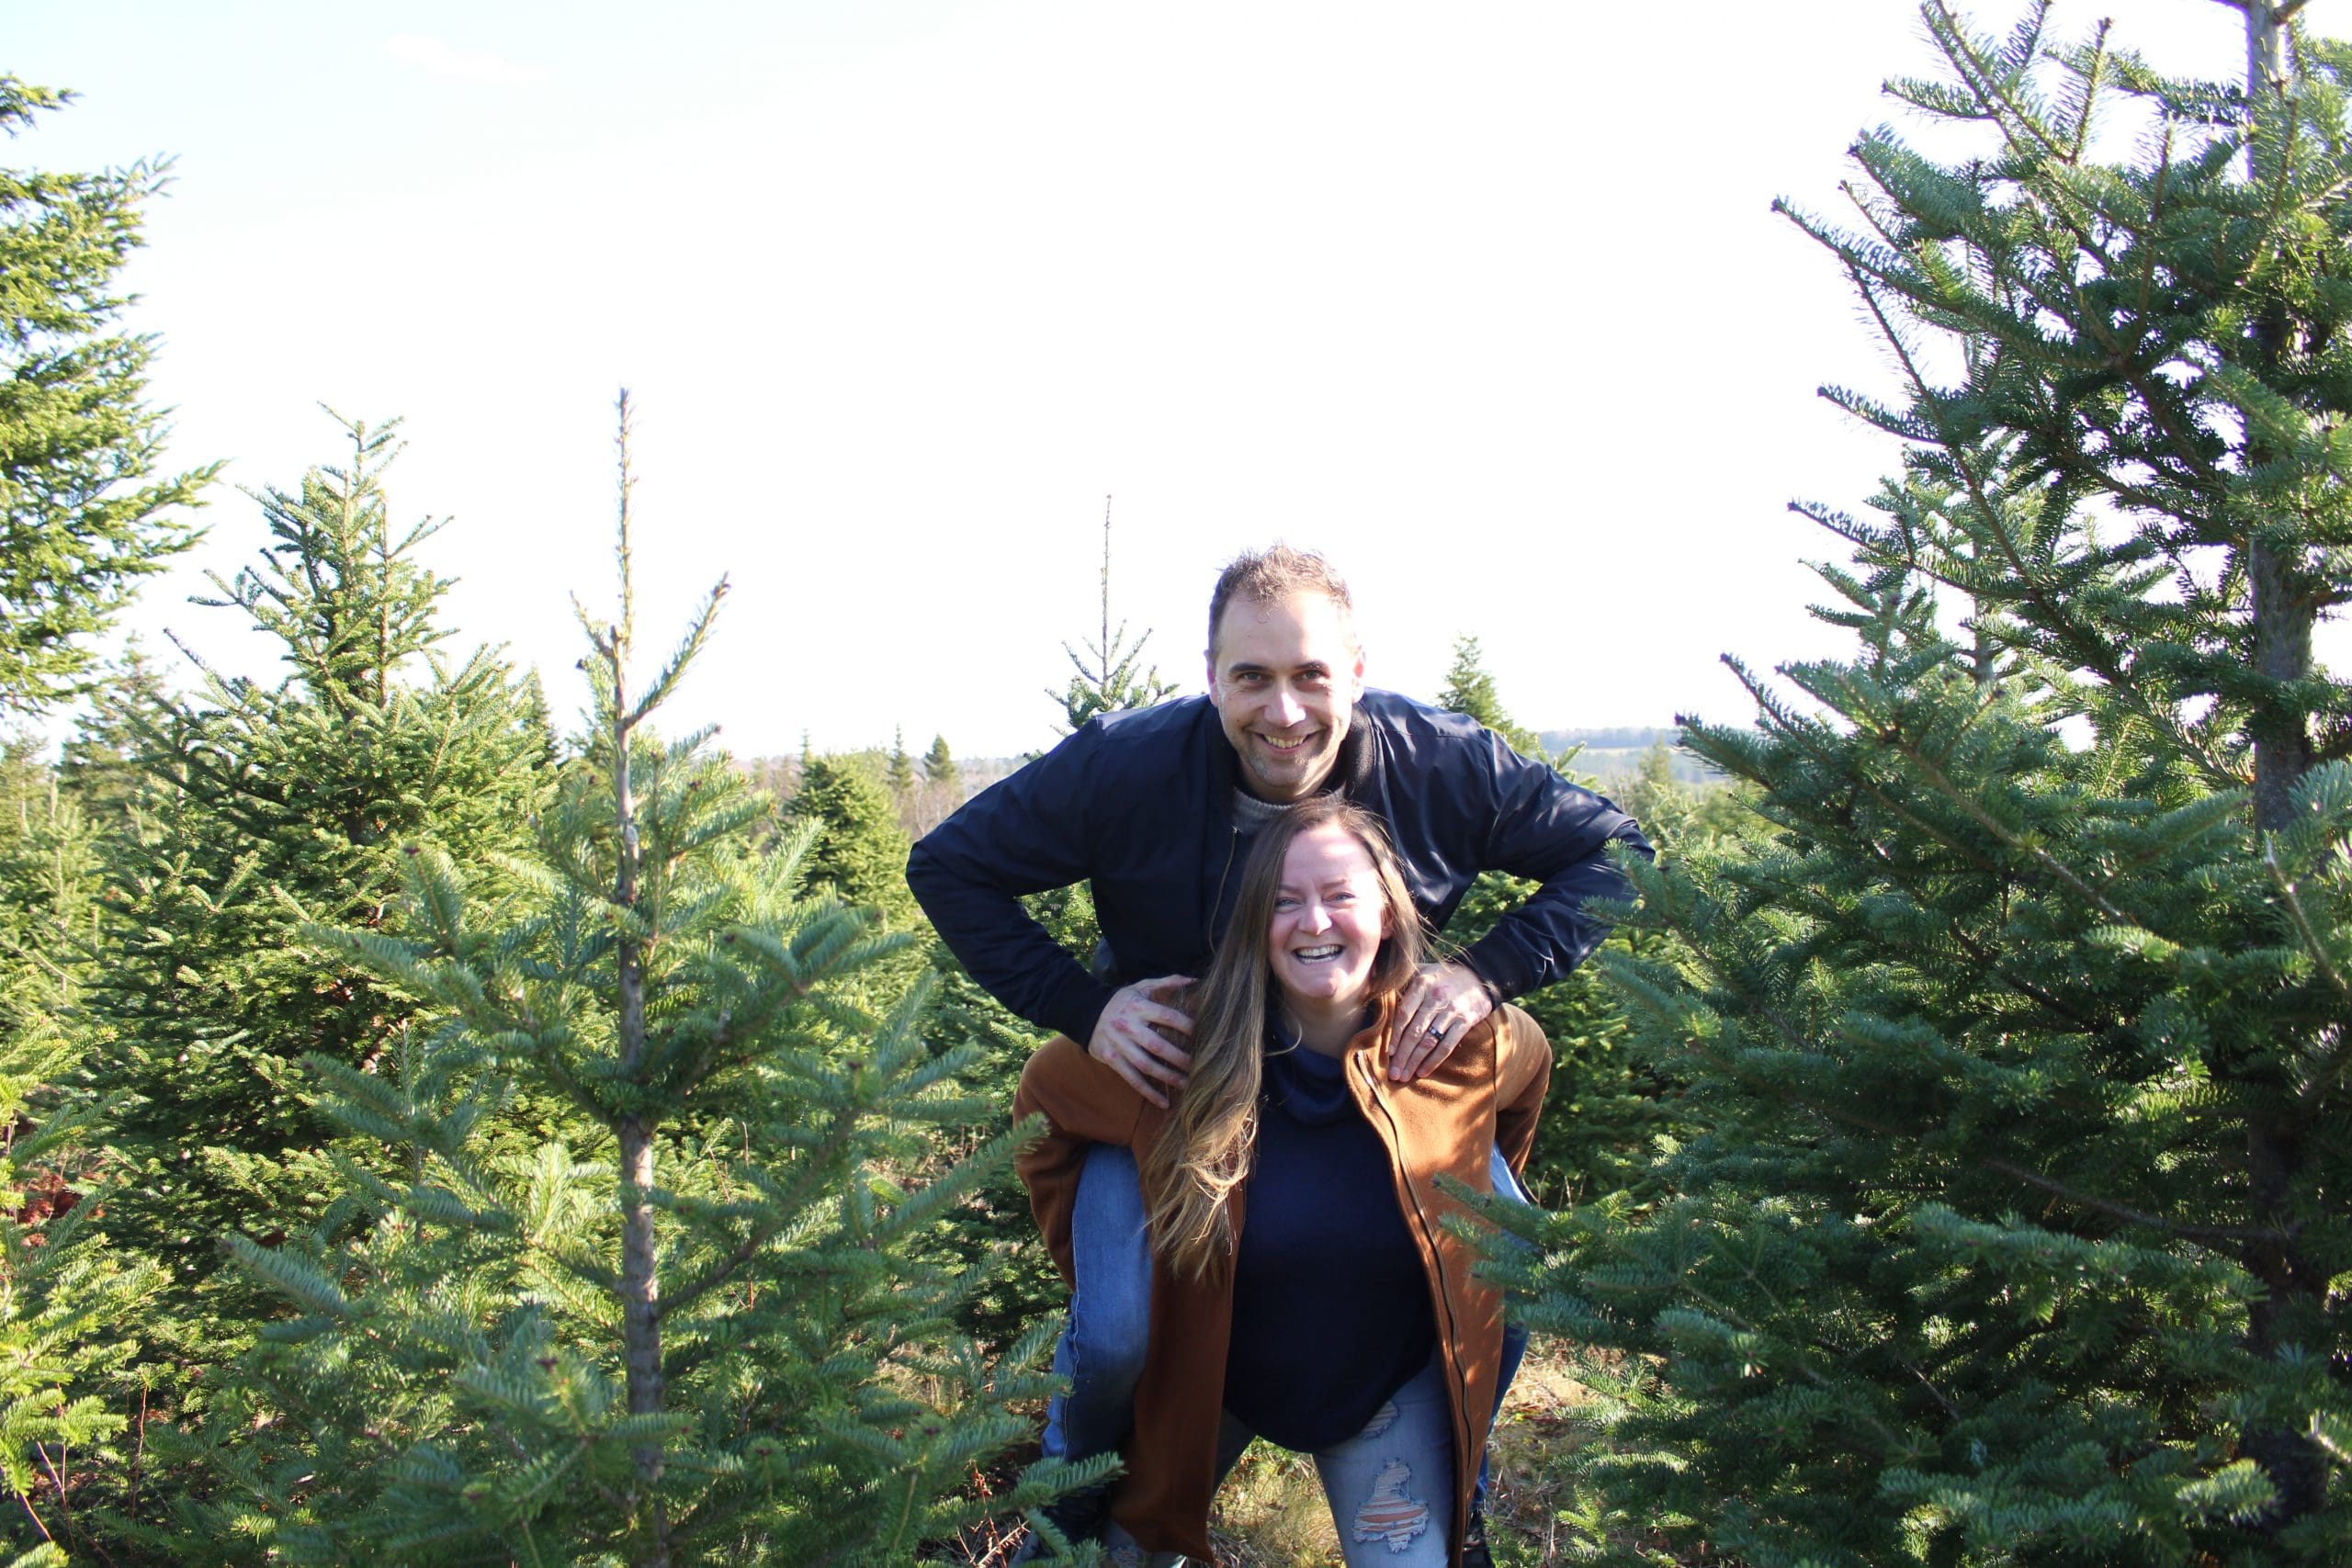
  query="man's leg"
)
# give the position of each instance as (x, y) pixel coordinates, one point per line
(1101, 1351)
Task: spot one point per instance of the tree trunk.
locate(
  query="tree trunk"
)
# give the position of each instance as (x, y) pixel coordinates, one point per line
(2282, 618)
(640, 1283)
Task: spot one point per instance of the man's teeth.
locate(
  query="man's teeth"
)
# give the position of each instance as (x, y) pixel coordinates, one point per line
(1283, 745)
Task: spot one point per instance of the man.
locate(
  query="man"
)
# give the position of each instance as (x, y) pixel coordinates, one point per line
(1156, 808)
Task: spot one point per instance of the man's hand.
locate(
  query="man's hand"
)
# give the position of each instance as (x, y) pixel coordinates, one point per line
(1439, 1007)
(1126, 1041)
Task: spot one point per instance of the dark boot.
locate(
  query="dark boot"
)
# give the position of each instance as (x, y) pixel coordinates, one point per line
(1473, 1537)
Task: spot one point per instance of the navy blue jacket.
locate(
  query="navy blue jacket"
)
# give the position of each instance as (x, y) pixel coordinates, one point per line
(1140, 805)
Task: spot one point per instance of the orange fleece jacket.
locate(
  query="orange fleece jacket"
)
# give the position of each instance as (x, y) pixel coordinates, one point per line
(1487, 1093)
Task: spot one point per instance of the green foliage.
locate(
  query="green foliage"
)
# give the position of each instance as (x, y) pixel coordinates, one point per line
(1108, 678)
(859, 853)
(2007, 1222)
(82, 515)
(690, 1327)
(899, 777)
(990, 1240)
(1470, 690)
(939, 765)
(258, 809)
(69, 1304)
(1604, 1109)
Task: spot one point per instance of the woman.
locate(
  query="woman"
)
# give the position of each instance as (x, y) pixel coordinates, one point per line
(1342, 1319)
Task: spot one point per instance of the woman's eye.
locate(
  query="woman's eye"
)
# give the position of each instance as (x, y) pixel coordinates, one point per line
(1283, 902)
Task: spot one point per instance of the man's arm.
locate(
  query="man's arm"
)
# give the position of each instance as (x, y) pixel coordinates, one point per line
(1549, 830)
(1024, 834)
(1544, 828)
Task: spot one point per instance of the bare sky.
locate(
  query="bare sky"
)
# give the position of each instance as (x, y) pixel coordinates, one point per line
(1484, 300)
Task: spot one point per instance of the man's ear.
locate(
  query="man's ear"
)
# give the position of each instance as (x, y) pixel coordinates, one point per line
(1208, 660)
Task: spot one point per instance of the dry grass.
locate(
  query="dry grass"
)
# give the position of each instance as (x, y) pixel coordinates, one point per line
(1270, 1513)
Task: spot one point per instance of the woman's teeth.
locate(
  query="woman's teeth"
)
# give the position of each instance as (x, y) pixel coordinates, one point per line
(1316, 954)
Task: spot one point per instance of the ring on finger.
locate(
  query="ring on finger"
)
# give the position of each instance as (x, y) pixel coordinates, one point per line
(1437, 1031)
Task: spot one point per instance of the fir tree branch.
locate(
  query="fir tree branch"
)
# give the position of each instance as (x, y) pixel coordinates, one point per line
(2094, 651)
(1993, 825)
(783, 1208)
(1798, 1042)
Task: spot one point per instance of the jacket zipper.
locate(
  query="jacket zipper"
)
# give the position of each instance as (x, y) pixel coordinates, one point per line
(1208, 921)
(1429, 1239)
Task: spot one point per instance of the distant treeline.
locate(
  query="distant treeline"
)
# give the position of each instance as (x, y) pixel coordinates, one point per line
(1624, 738)
(1612, 754)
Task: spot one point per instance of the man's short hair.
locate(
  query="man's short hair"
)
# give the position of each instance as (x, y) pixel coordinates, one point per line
(1270, 576)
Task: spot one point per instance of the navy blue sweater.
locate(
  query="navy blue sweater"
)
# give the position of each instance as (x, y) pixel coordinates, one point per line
(1331, 1306)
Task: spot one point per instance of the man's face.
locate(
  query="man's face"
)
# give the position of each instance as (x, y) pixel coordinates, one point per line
(1284, 678)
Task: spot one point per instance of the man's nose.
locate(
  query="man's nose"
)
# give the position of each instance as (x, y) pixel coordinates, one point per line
(1288, 709)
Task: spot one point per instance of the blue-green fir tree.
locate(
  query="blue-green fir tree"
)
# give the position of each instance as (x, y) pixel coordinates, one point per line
(1110, 676)
(687, 1326)
(233, 817)
(72, 1308)
(2013, 1225)
(1604, 1109)
(997, 1223)
(84, 512)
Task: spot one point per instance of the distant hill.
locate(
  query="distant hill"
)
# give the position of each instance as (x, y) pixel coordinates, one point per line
(1617, 754)
(1624, 738)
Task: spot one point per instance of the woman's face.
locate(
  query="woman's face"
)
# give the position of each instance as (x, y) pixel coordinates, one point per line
(1330, 919)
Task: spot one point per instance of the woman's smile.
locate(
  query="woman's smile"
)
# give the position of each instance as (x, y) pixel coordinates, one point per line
(1328, 921)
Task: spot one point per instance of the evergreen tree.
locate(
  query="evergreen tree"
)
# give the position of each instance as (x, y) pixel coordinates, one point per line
(83, 514)
(900, 776)
(688, 1329)
(70, 1306)
(2017, 1229)
(264, 807)
(939, 765)
(940, 792)
(1602, 1110)
(1470, 690)
(1106, 678)
(859, 852)
(99, 767)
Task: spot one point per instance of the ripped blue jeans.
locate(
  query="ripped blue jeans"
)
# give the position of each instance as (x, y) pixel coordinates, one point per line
(1102, 1349)
(1390, 1486)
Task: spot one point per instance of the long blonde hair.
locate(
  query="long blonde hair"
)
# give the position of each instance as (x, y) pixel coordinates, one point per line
(1202, 1153)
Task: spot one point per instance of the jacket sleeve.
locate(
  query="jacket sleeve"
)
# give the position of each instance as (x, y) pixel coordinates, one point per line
(1084, 1103)
(1024, 834)
(1523, 1077)
(1547, 829)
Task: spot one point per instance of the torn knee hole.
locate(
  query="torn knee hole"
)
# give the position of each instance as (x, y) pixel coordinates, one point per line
(1390, 1515)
